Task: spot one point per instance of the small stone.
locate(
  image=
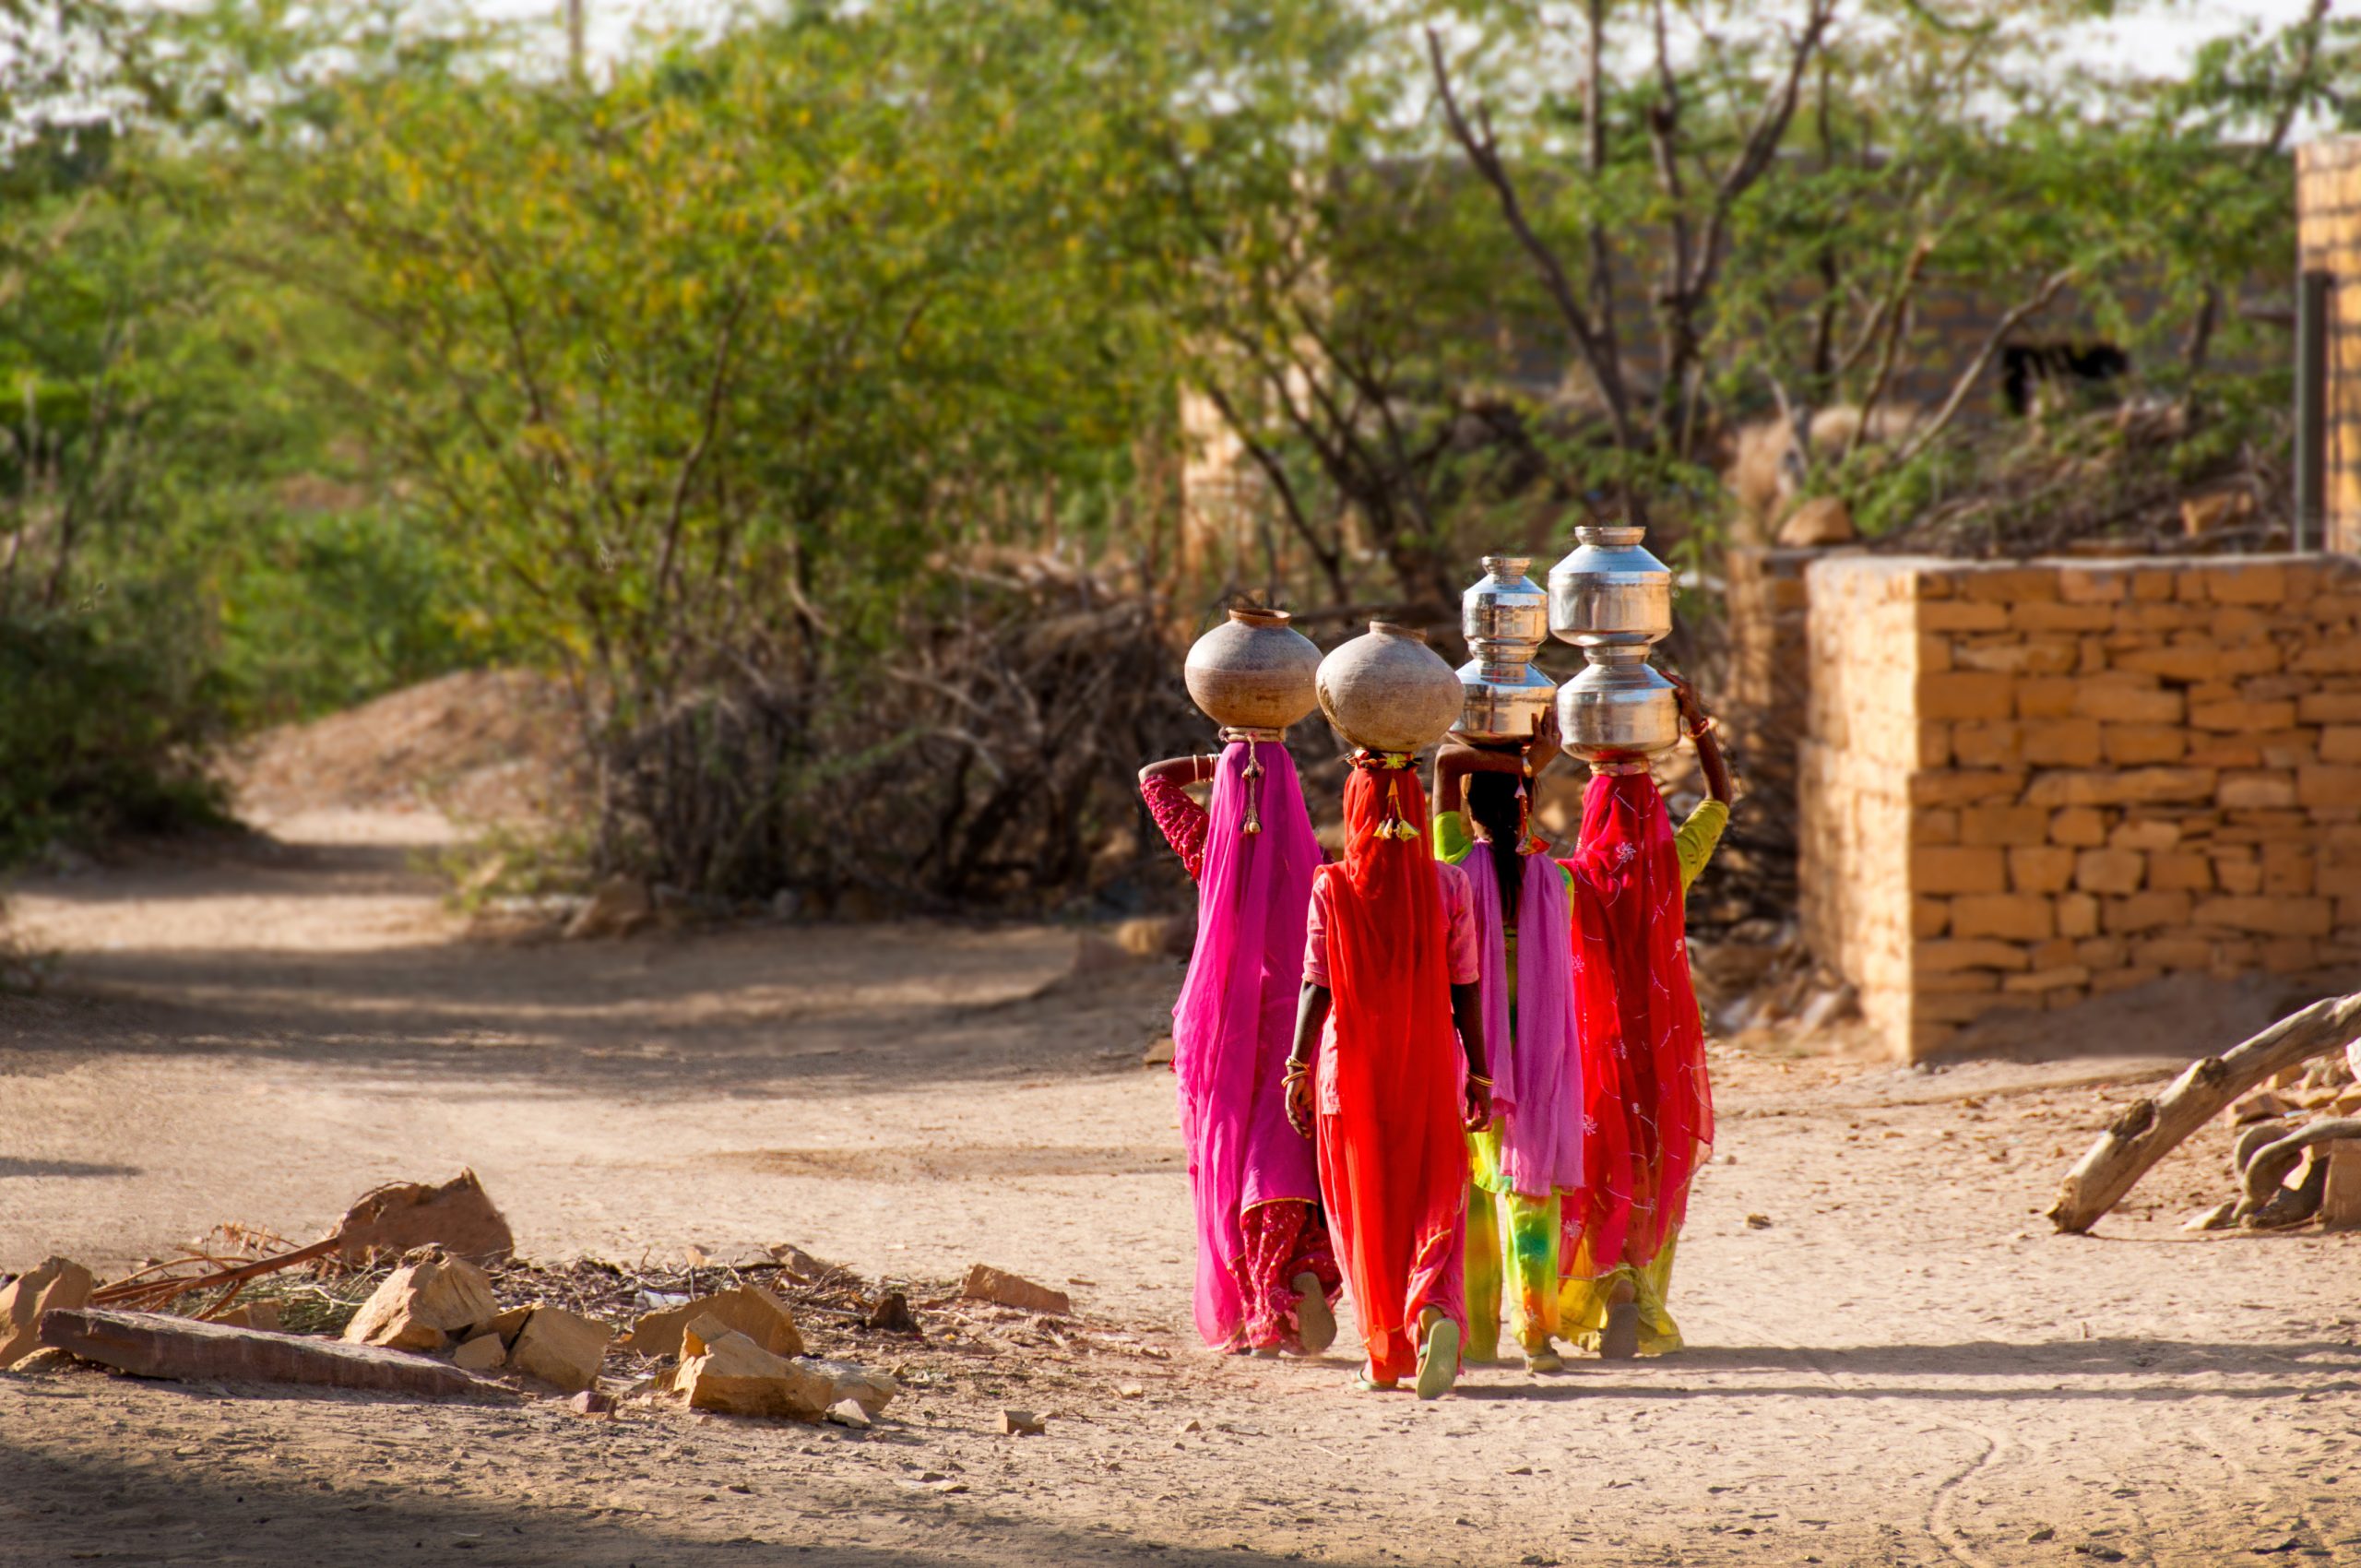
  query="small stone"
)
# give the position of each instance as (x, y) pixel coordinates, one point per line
(620, 906)
(1819, 523)
(53, 1282)
(1130, 1391)
(2256, 1105)
(563, 1348)
(46, 1362)
(1023, 1423)
(1191, 1424)
(1158, 1052)
(848, 1413)
(2044, 1532)
(2219, 1217)
(1758, 1222)
(262, 1315)
(423, 1305)
(590, 1402)
(867, 1389)
(891, 1315)
(987, 1284)
(800, 1264)
(482, 1353)
(1522, 1470)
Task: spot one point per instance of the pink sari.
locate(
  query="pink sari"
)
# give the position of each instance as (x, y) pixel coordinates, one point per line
(1537, 1070)
(1235, 1021)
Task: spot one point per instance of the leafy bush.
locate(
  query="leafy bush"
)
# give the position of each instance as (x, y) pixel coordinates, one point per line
(98, 737)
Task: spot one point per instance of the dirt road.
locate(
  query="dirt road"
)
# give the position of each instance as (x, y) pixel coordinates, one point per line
(1901, 1366)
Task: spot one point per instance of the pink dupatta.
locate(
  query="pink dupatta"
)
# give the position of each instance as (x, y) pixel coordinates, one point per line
(1537, 1072)
(1235, 1020)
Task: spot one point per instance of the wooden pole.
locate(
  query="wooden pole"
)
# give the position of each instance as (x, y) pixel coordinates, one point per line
(573, 36)
(2150, 1129)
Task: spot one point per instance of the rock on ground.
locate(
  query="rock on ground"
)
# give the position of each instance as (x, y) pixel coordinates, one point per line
(53, 1282)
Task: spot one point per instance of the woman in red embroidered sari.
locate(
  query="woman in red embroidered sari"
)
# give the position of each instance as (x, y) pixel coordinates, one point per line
(1648, 1106)
(1390, 972)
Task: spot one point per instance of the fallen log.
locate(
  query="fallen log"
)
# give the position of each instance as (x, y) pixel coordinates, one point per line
(183, 1349)
(2149, 1129)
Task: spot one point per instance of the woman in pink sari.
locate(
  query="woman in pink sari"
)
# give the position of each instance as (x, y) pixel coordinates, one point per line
(1266, 1278)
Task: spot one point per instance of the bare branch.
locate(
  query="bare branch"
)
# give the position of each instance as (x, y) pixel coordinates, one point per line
(1925, 434)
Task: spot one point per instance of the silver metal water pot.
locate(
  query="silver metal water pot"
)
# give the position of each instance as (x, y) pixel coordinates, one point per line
(1506, 615)
(1617, 706)
(1610, 591)
(1505, 701)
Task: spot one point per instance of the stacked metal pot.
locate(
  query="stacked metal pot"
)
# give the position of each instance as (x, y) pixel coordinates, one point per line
(1613, 600)
(1505, 618)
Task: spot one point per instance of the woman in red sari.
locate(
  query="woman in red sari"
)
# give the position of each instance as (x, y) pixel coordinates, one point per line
(1648, 1106)
(1390, 972)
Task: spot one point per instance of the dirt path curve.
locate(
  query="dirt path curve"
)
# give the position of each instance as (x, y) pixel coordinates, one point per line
(1903, 1366)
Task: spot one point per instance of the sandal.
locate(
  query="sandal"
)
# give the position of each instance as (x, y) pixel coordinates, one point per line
(1363, 1384)
(1315, 1319)
(1438, 1359)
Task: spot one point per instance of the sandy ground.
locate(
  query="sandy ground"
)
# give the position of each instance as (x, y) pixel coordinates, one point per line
(1903, 1366)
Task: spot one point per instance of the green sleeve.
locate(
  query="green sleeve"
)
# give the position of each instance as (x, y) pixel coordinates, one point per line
(1697, 838)
(1452, 838)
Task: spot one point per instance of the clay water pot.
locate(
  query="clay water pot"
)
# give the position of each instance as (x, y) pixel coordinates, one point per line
(1610, 591)
(1503, 702)
(1253, 671)
(1387, 691)
(1617, 706)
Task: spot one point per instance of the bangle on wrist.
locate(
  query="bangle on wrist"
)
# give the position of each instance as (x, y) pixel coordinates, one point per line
(1479, 1078)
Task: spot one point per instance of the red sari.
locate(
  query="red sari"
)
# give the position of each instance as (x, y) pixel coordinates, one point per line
(1649, 1103)
(1391, 1077)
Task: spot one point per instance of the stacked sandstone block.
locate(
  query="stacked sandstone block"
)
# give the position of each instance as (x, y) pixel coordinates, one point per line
(1769, 666)
(2327, 237)
(2027, 785)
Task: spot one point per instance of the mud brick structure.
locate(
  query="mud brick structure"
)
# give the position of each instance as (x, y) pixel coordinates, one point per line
(2023, 785)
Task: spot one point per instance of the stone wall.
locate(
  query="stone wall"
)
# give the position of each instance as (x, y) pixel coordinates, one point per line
(2327, 237)
(2025, 785)
(1764, 709)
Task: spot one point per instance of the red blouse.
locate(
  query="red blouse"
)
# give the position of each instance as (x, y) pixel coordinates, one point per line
(1184, 822)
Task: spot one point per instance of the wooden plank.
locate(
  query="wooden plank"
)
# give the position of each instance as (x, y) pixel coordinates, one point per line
(155, 1345)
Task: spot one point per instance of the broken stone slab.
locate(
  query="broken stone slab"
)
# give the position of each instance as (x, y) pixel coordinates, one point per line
(870, 1390)
(51, 1284)
(183, 1349)
(431, 1300)
(732, 1376)
(750, 1309)
(485, 1352)
(849, 1413)
(564, 1350)
(988, 1284)
(508, 1325)
(1023, 1423)
(457, 1215)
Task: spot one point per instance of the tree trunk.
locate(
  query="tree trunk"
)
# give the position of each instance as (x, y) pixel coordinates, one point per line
(2150, 1129)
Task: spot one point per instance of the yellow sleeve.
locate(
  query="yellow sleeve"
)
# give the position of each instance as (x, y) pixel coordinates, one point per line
(1697, 838)
(1452, 838)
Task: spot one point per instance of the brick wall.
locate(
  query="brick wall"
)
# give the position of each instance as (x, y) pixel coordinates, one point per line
(2025, 785)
